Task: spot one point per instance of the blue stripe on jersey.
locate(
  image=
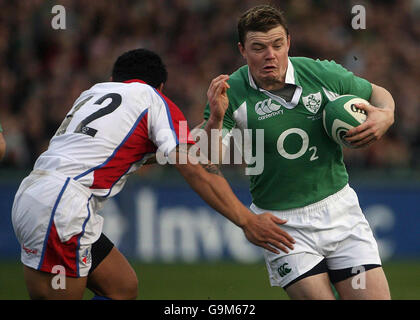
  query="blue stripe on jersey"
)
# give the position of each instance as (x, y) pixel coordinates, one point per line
(51, 221)
(110, 189)
(116, 149)
(169, 115)
(81, 235)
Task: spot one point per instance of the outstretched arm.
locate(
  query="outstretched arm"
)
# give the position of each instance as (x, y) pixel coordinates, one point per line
(261, 230)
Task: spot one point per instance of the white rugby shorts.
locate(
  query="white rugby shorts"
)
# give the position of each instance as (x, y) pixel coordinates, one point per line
(55, 221)
(334, 229)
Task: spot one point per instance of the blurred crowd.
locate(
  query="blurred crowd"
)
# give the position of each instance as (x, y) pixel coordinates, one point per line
(43, 70)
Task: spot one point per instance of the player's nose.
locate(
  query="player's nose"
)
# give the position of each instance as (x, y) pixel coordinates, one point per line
(269, 54)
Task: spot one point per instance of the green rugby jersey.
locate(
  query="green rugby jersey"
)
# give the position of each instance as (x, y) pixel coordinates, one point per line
(302, 165)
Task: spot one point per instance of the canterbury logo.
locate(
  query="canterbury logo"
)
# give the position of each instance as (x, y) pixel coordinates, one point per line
(283, 270)
(267, 108)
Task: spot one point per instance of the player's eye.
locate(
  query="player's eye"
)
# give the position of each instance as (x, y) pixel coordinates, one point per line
(257, 48)
(277, 45)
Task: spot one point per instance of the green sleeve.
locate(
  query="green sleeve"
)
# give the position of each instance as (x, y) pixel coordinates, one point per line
(346, 82)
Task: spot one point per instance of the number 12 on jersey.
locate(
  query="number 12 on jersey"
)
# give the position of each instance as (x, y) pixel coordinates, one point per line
(82, 126)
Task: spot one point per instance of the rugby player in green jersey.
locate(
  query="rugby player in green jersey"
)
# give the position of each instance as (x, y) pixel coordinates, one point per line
(304, 179)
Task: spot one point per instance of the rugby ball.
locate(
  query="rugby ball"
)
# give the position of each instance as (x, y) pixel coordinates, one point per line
(340, 115)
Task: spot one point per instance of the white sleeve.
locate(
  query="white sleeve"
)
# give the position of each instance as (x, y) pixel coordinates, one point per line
(161, 127)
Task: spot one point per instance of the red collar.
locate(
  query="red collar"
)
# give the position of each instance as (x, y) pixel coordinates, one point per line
(134, 80)
(139, 81)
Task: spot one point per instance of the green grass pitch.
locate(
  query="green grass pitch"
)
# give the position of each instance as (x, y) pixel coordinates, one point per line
(215, 281)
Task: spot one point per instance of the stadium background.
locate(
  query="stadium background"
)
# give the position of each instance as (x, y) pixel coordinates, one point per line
(179, 247)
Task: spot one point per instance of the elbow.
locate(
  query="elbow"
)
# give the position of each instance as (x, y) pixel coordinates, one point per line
(192, 172)
(381, 97)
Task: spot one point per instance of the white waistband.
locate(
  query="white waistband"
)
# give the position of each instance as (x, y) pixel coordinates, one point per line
(39, 172)
(309, 208)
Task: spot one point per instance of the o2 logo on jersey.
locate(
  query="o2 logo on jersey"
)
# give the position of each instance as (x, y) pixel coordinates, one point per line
(304, 147)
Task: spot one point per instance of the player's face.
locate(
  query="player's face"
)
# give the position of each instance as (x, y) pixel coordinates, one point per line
(266, 54)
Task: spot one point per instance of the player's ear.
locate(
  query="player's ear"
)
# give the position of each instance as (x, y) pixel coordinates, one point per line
(241, 49)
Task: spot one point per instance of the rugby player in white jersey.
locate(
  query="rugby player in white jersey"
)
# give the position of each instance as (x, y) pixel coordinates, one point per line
(111, 130)
(304, 178)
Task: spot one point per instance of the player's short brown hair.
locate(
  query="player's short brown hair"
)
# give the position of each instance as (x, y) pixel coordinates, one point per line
(260, 18)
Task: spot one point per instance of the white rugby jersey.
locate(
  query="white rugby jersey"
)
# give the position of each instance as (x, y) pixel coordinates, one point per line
(110, 131)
